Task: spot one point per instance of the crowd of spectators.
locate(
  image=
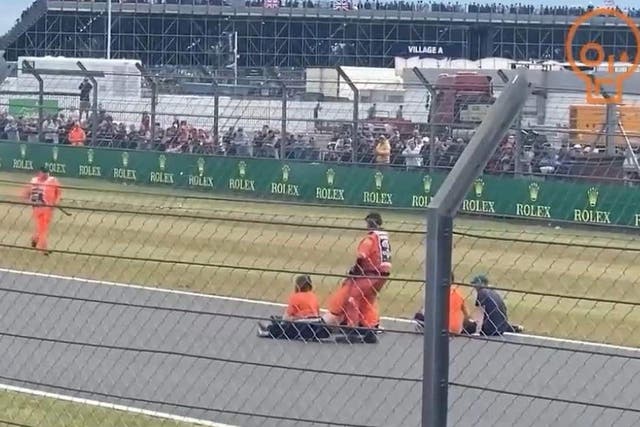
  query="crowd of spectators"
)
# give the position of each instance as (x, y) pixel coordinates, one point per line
(418, 5)
(385, 147)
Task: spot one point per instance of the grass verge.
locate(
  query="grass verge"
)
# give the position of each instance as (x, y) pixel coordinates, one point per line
(23, 410)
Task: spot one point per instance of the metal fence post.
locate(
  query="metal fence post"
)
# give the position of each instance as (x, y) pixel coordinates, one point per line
(283, 125)
(154, 100)
(29, 68)
(432, 127)
(611, 117)
(216, 110)
(441, 210)
(439, 244)
(355, 140)
(154, 106)
(94, 109)
(519, 147)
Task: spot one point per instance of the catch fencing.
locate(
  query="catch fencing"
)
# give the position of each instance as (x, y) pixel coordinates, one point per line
(145, 312)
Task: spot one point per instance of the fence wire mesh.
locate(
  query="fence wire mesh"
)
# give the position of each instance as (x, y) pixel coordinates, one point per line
(115, 314)
(197, 357)
(187, 354)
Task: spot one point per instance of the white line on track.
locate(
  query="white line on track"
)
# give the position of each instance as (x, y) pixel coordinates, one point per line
(275, 304)
(163, 290)
(139, 411)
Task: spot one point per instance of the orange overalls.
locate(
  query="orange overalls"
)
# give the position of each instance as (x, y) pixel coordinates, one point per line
(356, 300)
(77, 136)
(44, 195)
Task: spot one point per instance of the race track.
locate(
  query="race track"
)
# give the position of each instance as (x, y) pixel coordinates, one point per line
(183, 354)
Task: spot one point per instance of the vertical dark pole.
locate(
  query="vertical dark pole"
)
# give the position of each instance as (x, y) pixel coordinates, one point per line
(154, 106)
(432, 147)
(519, 145)
(436, 338)
(355, 139)
(40, 108)
(154, 100)
(216, 111)
(431, 119)
(283, 130)
(94, 122)
(611, 117)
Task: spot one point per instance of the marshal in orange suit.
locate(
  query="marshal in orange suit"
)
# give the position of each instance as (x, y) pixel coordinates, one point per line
(43, 193)
(356, 301)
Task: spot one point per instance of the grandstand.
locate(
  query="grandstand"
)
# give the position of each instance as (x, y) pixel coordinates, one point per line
(193, 33)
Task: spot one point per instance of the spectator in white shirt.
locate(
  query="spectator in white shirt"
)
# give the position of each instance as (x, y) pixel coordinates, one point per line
(243, 145)
(50, 128)
(412, 156)
(11, 129)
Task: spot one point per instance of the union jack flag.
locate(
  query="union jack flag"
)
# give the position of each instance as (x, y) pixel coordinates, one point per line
(271, 4)
(341, 5)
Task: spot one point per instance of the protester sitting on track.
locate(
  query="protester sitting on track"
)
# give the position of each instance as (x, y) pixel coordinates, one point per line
(303, 302)
(460, 319)
(495, 321)
(301, 319)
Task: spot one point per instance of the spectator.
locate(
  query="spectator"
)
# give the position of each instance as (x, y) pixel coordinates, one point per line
(316, 115)
(146, 122)
(11, 129)
(241, 143)
(399, 113)
(135, 140)
(526, 160)
(50, 129)
(77, 136)
(120, 139)
(85, 103)
(372, 112)
(29, 129)
(412, 155)
(383, 151)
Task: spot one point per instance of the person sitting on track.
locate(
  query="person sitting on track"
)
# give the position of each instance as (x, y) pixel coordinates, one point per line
(301, 319)
(303, 302)
(460, 319)
(495, 321)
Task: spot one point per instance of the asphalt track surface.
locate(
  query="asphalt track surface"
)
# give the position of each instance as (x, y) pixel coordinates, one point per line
(129, 346)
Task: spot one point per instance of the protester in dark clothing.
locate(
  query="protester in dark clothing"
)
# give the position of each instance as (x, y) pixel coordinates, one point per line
(495, 319)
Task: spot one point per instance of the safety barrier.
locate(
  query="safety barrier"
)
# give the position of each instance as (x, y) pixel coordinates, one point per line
(335, 184)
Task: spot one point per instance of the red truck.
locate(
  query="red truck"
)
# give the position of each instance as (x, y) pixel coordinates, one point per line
(462, 99)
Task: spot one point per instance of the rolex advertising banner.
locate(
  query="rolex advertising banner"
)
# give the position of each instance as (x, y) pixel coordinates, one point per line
(335, 184)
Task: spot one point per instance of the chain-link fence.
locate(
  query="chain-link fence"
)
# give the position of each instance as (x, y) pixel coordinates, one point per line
(144, 307)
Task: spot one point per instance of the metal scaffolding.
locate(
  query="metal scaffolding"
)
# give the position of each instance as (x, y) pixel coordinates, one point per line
(198, 37)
